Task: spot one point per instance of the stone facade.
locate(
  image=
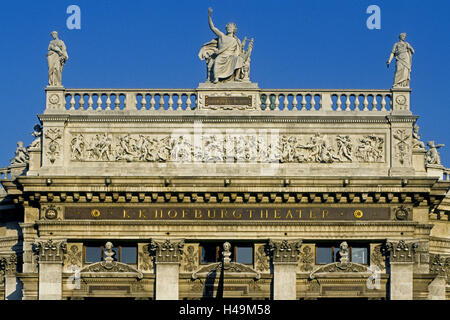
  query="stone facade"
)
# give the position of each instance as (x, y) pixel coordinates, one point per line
(225, 190)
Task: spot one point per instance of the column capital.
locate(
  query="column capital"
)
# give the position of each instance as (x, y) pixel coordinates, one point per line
(166, 251)
(9, 264)
(50, 251)
(438, 265)
(285, 251)
(401, 251)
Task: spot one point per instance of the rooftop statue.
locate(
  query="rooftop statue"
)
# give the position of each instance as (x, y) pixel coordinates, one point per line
(21, 155)
(226, 57)
(432, 155)
(402, 51)
(56, 58)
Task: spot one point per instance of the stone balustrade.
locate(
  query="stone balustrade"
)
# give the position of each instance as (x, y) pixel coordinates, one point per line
(326, 100)
(303, 100)
(5, 173)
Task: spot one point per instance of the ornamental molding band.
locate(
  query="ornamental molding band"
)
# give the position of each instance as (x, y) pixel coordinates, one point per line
(109, 266)
(50, 251)
(285, 251)
(225, 266)
(9, 264)
(401, 251)
(166, 251)
(343, 266)
(301, 148)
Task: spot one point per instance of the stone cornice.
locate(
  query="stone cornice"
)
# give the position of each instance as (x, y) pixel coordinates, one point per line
(224, 116)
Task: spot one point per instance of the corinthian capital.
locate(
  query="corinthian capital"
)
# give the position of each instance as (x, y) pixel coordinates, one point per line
(50, 250)
(167, 250)
(401, 251)
(285, 251)
(9, 264)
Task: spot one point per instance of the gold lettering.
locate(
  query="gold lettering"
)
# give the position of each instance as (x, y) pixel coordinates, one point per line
(184, 213)
(276, 214)
(141, 215)
(171, 215)
(311, 214)
(209, 213)
(125, 215)
(222, 215)
(299, 213)
(250, 212)
(160, 214)
(95, 213)
(267, 213)
(324, 214)
(289, 214)
(198, 213)
(237, 216)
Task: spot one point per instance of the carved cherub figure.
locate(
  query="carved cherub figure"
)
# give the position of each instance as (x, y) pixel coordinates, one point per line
(432, 155)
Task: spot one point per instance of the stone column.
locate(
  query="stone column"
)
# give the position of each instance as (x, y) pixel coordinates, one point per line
(436, 289)
(51, 257)
(401, 258)
(285, 260)
(9, 266)
(167, 255)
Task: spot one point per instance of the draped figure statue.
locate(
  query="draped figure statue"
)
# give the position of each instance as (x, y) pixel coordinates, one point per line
(226, 57)
(402, 51)
(56, 58)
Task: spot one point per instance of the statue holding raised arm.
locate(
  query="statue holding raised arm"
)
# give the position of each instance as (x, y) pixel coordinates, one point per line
(402, 51)
(56, 58)
(226, 58)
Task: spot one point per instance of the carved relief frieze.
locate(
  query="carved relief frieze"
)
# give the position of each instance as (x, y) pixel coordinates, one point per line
(402, 146)
(262, 259)
(190, 260)
(53, 145)
(253, 148)
(73, 257)
(145, 262)
(306, 258)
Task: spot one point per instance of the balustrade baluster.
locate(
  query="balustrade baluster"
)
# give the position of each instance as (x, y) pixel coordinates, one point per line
(108, 102)
(285, 102)
(99, 102)
(294, 101)
(356, 102)
(90, 102)
(188, 102)
(313, 102)
(179, 101)
(277, 102)
(338, 102)
(143, 102)
(152, 101)
(72, 101)
(170, 102)
(161, 101)
(374, 103)
(117, 102)
(347, 102)
(383, 102)
(303, 103)
(81, 102)
(365, 103)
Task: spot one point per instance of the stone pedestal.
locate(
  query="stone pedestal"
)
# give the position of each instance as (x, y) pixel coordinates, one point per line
(167, 254)
(50, 281)
(35, 160)
(9, 265)
(401, 281)
(285, 261)
(284, 281)
(419, 161)
(51, 257)
(167, 276)
(401, 259)
(436, 289)
(435, 170)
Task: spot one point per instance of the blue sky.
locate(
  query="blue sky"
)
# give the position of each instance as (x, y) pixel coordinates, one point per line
(154, 44)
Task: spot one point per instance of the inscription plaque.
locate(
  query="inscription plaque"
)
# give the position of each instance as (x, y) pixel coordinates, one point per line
(205, 213)
(228, 101)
